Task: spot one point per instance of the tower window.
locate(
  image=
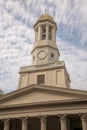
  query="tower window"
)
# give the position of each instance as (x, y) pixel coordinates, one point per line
(50, 33)
(52, 55)
(33, 57)
(43, 32)
(41, 79)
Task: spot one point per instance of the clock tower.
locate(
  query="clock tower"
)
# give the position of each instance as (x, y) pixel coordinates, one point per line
(46, 69)
(45, 50)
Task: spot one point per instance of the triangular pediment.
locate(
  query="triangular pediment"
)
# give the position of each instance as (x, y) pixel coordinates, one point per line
(38, 94)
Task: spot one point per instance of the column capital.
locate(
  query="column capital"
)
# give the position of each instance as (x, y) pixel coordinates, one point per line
(62, 116)
(6, 124)
(83, 118)
(43, 122)
(43, 118)
(6, 121)
(63, 121)
(24, 119)
(24, 123)
(82, 115)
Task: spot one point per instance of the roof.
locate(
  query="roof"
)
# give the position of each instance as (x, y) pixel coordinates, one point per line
(45, 17)
(41, 94)
(34, 100)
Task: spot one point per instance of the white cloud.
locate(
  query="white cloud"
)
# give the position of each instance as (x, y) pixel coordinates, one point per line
(76, 62)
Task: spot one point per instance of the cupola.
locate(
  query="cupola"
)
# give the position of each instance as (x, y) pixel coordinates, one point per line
(45, 50)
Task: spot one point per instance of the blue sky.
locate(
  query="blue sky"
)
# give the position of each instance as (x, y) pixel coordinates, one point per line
(17, 18)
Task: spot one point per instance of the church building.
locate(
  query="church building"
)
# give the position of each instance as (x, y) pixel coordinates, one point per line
(44, 99)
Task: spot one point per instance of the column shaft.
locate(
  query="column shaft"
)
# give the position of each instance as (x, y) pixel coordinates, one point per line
(39, 32)
(53, 34)
(43, 123)
(24, 123)
(63, 122)
(84, 122)
(6, 124)
(36, 35)
(47, 31)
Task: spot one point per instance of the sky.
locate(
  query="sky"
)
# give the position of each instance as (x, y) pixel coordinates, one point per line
(17, 18)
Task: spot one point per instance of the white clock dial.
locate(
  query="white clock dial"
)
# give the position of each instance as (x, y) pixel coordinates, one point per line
(42, 55)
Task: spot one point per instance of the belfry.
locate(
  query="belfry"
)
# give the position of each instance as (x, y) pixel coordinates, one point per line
(46, 67)
(45, 50)
(44, 99)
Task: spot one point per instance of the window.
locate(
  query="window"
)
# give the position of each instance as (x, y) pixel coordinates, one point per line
(43, 32)
(40, 79)
(33, 57)
(50, 33)
(52, 55)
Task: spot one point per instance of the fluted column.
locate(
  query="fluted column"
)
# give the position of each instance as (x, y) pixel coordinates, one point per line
(84, 122)
(47, 31)
(6, 124)
(63, 122)
(43, 122)
(39, 32)
(24, 123)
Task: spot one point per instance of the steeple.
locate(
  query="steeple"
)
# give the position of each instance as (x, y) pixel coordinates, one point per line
(45, 50)
(46, 68)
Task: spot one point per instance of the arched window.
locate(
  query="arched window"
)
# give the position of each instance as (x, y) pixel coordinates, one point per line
(43, 32)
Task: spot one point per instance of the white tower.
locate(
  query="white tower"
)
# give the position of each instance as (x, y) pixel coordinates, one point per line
(45, 50)
(46, 68)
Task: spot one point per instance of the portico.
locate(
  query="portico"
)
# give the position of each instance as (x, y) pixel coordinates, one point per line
(57, 122)
(39, 109)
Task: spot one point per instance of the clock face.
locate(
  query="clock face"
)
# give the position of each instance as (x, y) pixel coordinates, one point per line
(42, 55)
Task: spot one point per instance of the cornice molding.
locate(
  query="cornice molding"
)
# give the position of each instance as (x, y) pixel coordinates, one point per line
(73, 102)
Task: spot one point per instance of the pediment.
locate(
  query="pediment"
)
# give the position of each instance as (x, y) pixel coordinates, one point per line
(38, 94)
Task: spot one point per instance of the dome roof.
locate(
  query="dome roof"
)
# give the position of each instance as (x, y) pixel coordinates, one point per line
(45, 17)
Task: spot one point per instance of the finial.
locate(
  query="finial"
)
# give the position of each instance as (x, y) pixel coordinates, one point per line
(45, 10)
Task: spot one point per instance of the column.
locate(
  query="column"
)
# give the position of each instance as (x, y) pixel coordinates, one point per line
(6, 124)
(39, 32)
(47, 31)
(43, 122)
(36, 34)
(84, 122)
(63, 122)
(24, 123)
(54, 34)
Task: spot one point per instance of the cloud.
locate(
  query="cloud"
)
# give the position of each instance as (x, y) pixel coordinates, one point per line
(75, 20)
(17, 37)
(76, 61)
